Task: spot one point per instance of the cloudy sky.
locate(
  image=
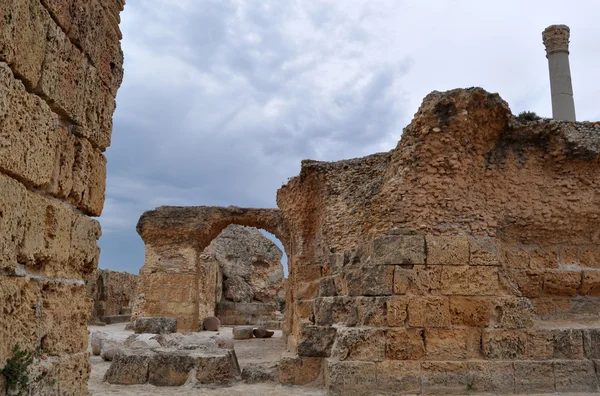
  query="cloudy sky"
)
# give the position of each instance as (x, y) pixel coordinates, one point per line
(222, 99)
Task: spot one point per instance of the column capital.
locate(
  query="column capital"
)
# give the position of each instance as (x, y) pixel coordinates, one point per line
(556, 38)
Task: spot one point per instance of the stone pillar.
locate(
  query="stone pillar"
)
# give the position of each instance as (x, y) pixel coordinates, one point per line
(556, 41)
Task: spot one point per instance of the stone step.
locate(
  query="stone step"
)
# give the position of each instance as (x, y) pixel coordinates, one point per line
(125, 311)
(115, 319)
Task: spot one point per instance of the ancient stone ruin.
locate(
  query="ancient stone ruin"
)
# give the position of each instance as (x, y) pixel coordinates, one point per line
(113, 294)
(60, 68)
(464, 260)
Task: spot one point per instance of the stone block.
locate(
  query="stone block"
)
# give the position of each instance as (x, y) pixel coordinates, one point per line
(514, 256)
(575, 376)
(540, 344)
(543, 257)
(470, 281)
(483, 251)
(316, 341)
(568, 344)
(398, 249)
(452, 344)
(243, 332)
(262, 332)
(591, 343)
(328, 287)
(156, 325)
(447, 250)
(73, 374)
(216, 367)
(304, 310)
(561, 283)
(404, 344)
(23, 37)
(308, 273)
(582, 256)
(534, 377)
(84, 251)
(504, 344)
(512, 313)
(526, 283)
(169, 367)
(378, 281)
(445, 377)
(470, 311)
(60, 11)
(396, 310)
(491, 377)
(89, 178)
(428, 311)
(211, 323)
(260, 373)
(366, 344)
(349, 377)
(130, 367)
(13, 212)
(590, 284)
(296, 370)
(28, 133)
(404, 280)
(336, 310)
(397, 377)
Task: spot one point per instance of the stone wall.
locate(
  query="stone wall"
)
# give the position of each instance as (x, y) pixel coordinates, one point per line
(60, 68)
(238, 314)
(464, 260)
(113, 293)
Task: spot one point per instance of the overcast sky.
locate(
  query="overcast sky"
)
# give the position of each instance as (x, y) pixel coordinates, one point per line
(222, 99)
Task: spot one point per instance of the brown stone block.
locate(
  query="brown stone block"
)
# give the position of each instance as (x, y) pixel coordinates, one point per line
(514, 256)
(350, 377)
(28, 133)
(445, 377)
(331, 286)
(428, 311)
(568, 344)
(84, 251)
(483, 251)
(428, 279)
(307, 291)
(378, 280)
(561, 283)
(60, 11)
(404, 344)
(23, 37)
(62, 181)
(307, 273)
(296, 370)
(372, 311)
(470, 281)
(470, 311)
(527, 283)
(397, 310)
(491, 377)
(396, 377)
(304, 309)
(398, 249)
(452, 344)
(583, 256)
(360, 344)
(504, 344)
(13, 212)
(512, 312)
(534, 377)
(590, 284)
(447, 250)
(336, 310)
(543, 257)
(549, 307)
(89, 178)
(73, 374)
(575, 376)
(404, 280)
(591, 343)
(316, 341)
(19, 298)
(540, 344)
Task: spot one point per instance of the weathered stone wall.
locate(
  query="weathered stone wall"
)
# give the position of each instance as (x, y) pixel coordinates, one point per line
(60, 68)
(237, 314)
(113, 293)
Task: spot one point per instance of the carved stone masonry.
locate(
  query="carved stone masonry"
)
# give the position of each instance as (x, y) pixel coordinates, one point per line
(556, 38)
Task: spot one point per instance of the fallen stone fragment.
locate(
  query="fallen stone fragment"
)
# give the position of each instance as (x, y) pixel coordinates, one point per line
(260, 373)
(109, 350)
(242, 332)
(129, 367)
(156, 325)
(211, 323)
(261, 332)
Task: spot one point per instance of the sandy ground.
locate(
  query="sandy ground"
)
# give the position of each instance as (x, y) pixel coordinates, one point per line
(253, 351)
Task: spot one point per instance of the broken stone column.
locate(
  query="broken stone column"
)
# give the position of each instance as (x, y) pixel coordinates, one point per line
(556, 41)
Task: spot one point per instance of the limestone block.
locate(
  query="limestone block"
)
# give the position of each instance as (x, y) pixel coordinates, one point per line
(372, 311)
(396, 310)
(527, 283)
(583, 256)
(129, 368)
(169, 367)
(370, 281)
(84, 251)
(445, 377)
(262, 332)
(591, 343)
(304, 309)
(568, 344)
(452, 344)
(260, 373)
(404, 280)
(316, 341)
(96, 340)
(308, 273)
(540, 344)
(28, 133)
(534, 377)
(242, 332)
(349, 377)
(73, 374)
(504, 344)
(156, 325)
(328, 287)
(23, 37)
(110, 349)
(483, 251)
(447, 250)
(216, 367)
(211, 323)
(89, 178)
(514, 256)
(512, 313)
(296, 370)
(470, 311)
(359, 343)
(13, 210)
(491, 377)
(398, 249)
(60, 11)
(394, 377)
(470, 281)
(561, 283)
(428, 279)
(404, 344)
(543, 257)
(428, 311)
(590, 284)
(336, 310)
(575, 376)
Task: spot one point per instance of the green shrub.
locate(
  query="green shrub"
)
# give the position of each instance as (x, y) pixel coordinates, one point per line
(528, 116)
(15, 370)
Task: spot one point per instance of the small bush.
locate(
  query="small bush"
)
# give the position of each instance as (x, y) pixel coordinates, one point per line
(15, 370)
(528, 116)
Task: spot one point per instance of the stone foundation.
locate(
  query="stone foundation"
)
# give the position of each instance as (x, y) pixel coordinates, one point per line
(60, 68)
(234, 314)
